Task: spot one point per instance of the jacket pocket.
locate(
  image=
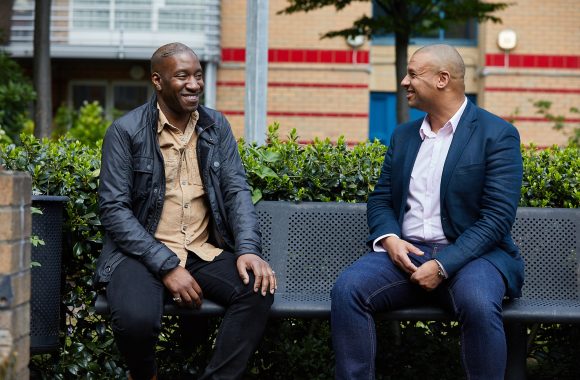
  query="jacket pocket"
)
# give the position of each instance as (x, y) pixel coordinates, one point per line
(142, 176)
(469, 169)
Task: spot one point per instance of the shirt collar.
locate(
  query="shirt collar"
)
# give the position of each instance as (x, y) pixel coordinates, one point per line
(425, 129)
(162, 121)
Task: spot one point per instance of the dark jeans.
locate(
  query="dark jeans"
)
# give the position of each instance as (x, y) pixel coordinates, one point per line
(373, 284)
(136, 300)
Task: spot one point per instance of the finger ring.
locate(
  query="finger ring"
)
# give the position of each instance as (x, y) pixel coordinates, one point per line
(273, 272)
(176, 299)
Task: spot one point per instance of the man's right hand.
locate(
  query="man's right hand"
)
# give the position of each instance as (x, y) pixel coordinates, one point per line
(399, 251)
(183, 287)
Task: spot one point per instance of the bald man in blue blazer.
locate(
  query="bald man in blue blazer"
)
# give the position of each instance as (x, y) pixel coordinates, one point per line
(439, 220)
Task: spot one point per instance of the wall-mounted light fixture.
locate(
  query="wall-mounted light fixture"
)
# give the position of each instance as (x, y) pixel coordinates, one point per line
(507, 40)
(355, 41)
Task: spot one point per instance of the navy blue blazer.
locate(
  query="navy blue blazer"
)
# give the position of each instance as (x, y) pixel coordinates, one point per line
(480, 191)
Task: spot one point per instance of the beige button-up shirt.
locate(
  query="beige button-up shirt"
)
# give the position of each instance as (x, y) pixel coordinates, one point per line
(184, 221)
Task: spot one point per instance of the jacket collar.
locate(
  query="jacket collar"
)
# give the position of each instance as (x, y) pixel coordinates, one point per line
(204, 122)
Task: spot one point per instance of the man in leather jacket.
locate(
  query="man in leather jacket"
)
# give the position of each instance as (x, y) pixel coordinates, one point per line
(179, 222)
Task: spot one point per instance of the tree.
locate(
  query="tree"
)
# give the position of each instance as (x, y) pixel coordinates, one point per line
(404, 19)
(42, 70)
(5, 20)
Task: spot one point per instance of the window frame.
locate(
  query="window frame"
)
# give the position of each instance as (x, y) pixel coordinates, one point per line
(389, 39)
(109, 91)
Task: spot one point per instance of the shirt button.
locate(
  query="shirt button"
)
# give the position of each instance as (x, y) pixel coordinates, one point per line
(216, 164)
(186, 205)
(184, 183)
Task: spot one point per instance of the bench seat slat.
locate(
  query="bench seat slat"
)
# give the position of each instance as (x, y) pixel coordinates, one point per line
(318, 306)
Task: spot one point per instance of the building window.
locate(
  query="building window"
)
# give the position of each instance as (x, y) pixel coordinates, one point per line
(140, 15)
(133, 14)
(129, 96)
(91, 14)
(115, 97)
(457, 33)
(88, 92)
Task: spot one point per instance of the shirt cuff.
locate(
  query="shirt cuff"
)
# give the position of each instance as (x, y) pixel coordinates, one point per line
(442, 269)
(377, 247)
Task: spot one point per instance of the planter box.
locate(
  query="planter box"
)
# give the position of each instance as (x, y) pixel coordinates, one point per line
(45, 297)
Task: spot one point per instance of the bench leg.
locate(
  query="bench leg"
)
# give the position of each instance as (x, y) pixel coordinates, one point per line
(517, 353)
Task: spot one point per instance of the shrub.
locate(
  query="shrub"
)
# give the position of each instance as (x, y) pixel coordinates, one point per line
(291, 348)
(87, 125)
(4, 139)
(67, 167)
(551, 177)
(321, 171)
(16, 93)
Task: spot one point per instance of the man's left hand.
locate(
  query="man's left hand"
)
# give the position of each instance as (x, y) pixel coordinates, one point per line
(265, 277)
(427, 275)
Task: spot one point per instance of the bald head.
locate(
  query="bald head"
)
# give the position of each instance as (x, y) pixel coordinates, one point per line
(166, 51)
(445, 58)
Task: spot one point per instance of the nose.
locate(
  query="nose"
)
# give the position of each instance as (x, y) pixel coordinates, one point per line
(193, 84)
(405, 82)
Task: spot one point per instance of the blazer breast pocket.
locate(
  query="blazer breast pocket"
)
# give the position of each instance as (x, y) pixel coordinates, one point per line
(469, 178)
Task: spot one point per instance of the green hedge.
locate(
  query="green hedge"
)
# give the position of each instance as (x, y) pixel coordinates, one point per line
(292, 348)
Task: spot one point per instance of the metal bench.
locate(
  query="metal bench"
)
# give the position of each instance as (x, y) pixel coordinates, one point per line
(310, 243)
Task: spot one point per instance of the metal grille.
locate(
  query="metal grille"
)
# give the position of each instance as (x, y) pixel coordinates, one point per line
(315, 239)
(550, 257)
(266, 228)
(46, 279)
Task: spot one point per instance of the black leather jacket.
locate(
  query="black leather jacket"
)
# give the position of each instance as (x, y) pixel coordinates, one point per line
(132, 191)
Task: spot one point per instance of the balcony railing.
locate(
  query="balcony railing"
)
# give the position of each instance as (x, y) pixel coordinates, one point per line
(120, 28)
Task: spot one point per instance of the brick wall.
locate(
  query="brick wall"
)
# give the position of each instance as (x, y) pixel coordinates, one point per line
(319, 87)
(15, 219)
(328, 97)
(544, 65)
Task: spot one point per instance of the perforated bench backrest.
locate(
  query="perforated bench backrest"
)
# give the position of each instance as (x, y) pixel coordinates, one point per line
(549, 240)
(315, 241)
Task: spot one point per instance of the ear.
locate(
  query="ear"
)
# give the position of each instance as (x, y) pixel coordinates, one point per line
(156, 80)
(443, 79)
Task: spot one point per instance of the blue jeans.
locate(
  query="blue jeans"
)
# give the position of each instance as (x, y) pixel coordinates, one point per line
(373, 284)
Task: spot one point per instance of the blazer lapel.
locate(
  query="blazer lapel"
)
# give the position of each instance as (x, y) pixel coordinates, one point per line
(413, 144)
(463, 133)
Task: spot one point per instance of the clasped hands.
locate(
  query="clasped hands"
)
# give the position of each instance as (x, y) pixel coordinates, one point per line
(399, 250)
(187, 292)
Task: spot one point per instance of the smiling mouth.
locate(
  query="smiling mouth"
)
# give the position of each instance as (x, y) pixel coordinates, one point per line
(191, 97)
